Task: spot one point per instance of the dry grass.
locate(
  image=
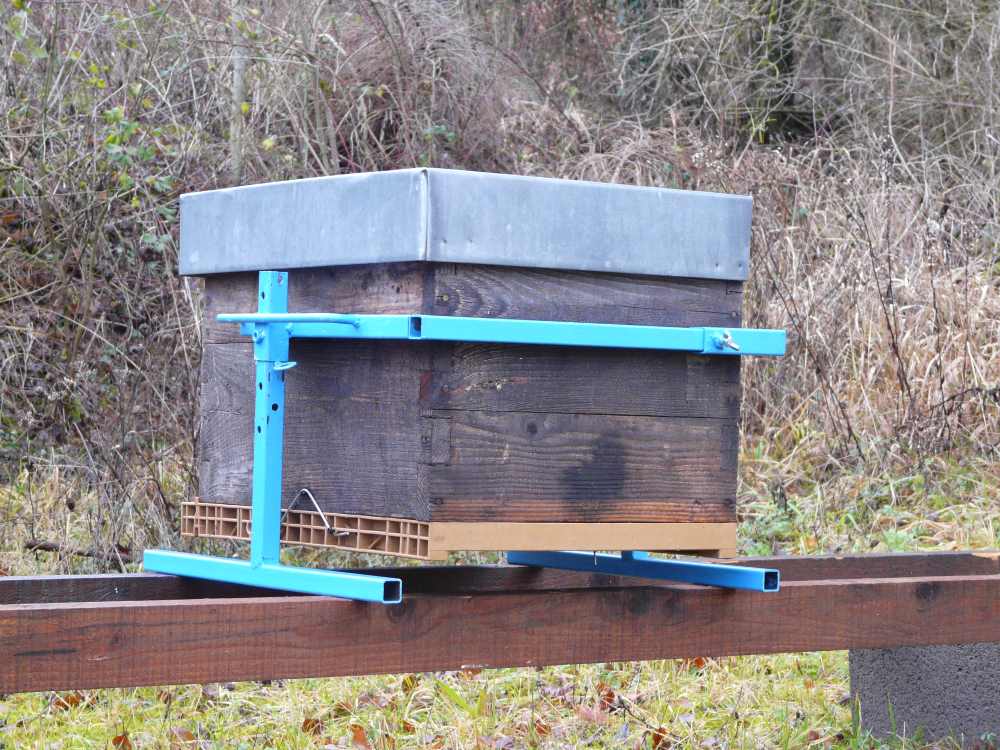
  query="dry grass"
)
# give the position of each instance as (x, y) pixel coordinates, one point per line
(866, 134)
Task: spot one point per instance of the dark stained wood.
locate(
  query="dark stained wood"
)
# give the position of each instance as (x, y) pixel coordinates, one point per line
(353, 432)
(586, 468)
(373, 289)
(465, 579)
(112, 644)
(538, 294)
(117, 588)
(626, 382)
(443, 431)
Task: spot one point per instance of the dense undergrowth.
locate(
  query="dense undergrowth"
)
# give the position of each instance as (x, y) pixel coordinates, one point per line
(867, 135)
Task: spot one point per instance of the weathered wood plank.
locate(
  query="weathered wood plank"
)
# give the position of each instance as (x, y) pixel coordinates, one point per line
(375, 289)
(357, 428)
(538, 294)
(464, 579)
(85, 645)
(117, 588)
(595, 381)
(353, 433)
(585, 468)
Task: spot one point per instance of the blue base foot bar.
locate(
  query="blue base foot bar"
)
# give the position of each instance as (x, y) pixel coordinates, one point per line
(366, 588)
(641, 565)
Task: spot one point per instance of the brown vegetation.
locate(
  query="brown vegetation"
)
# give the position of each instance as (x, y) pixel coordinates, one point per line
(867, 135)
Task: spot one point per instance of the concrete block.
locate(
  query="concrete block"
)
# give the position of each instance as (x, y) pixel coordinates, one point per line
(946, 691)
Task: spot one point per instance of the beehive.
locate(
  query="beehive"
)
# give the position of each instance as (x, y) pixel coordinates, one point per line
(422, 448)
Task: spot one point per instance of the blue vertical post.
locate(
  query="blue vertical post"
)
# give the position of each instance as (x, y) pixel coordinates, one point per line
(270, 349)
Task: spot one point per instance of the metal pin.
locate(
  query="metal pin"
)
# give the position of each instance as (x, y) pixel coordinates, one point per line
(322, 515)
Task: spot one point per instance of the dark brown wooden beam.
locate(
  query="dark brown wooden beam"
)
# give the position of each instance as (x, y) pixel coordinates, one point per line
(457, 579)
(79, 645)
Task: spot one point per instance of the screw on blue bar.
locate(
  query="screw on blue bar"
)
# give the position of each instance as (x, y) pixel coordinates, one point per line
(641, 565)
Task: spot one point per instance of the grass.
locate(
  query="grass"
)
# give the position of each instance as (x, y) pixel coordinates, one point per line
(784, 701)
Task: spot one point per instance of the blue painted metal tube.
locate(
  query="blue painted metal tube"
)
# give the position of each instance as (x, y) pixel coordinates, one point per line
(640, 565)
(363, 587)
(702, 340)
(269, 430)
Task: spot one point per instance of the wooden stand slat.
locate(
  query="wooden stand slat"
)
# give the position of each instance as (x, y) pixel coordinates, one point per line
(498, 617)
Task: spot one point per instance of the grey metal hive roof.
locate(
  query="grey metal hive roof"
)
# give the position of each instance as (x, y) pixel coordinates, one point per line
(454, 216)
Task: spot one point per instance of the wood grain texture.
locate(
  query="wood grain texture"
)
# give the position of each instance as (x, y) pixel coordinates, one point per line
(353, 432)
(493, 535)
(466, 579)
(118, 644)
(596, 381)
(538, 294)
(585, 468)
(373, 289)
(444, 431)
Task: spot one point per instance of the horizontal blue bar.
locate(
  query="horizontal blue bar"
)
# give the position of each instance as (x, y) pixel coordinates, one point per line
(701, 340)
(640, 565)
(367, 588)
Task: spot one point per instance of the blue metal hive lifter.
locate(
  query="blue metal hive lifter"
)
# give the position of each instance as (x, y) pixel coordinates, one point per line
(272, 327)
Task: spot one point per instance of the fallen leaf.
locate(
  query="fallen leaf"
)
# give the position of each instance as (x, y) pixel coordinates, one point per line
(408, 726)
(359, 738)
(312, 726)
(342, 708)
(164, 696)
(410, 683)
(541, 728)
(608, 697)
(66, 701)
(661, 740)
(470, 672)
(388, 742)
(812, 736)
(810, 684)
(121, 742)
(379, 701)
(181, 738)
(697, 662)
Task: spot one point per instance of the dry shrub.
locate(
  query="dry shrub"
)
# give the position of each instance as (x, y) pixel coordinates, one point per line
(892, 308)
(110, 111)
(913, 83)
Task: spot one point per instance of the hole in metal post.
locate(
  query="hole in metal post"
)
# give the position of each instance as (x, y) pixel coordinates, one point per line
(415, 327)
(274, 407)
(771, 581)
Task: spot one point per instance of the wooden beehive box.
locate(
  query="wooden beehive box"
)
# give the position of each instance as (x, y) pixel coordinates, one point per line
(421, 448)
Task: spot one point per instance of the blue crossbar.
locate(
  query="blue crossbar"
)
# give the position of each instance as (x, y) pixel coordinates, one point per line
(359, 586)
(272, 327)
(641, 565)
(701, 340)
